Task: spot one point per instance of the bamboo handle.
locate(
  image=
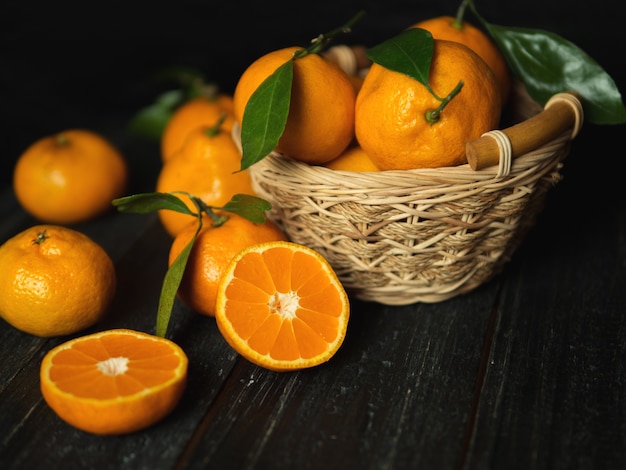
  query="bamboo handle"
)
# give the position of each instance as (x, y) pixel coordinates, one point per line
(562, 112)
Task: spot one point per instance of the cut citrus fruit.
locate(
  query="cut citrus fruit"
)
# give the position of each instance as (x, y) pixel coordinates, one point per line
(114, 382)
(281, 306)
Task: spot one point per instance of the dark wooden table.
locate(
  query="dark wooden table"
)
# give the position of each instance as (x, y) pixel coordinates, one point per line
(526, 372)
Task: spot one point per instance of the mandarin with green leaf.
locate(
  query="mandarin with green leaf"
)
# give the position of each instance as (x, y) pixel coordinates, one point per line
(212, 250)
(320, 123)
(402, 123)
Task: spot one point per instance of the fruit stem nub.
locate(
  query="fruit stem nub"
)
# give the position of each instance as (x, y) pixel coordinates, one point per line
(433, 115)
(62, 140)
(215, 128)
(41, 237)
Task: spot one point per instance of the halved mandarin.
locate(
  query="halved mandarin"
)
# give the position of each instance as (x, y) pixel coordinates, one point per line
(114, 382)
(281, 306)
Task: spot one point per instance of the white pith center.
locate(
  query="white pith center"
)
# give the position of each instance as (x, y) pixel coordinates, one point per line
(285, 304)
(113, 366)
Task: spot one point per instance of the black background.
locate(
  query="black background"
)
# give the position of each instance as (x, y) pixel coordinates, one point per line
(525, 372)
(72, 63)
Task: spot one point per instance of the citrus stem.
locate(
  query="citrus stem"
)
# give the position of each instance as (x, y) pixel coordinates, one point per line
(202, 207)
(472, 7)
(62, 140)
(433, 115)
(321, 42)
(460, 13)
(41, 237)
(215, 128)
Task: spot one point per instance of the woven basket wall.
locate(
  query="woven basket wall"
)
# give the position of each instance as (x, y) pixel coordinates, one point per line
(400, 237)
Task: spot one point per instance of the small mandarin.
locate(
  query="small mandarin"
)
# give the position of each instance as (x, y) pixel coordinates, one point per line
(114, 382)
(213, 249)
(202, 111)
(281, 306)
(391, 107)
(55, 281)
(353, 159)
(320, 124)
(207, 166)
(69, 177)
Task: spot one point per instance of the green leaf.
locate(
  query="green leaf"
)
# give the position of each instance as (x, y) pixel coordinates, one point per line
(409, 52)
(548, 64)
(170, 99)
(171, 283)
(265, 116)
(151, 121)
(249, 207)
(151, 202)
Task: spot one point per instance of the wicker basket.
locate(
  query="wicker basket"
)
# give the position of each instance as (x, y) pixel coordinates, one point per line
(400, 237)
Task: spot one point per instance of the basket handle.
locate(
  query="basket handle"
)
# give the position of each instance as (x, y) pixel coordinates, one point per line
(562, 112)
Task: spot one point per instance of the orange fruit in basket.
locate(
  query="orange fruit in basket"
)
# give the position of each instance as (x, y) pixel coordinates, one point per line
(212, 251)
(320, 124)
(281, 306)
(207, 166)
(447, 27)
(55, 281)
(202, 111)
(354, 158)
(391, 108)
(69, 177)
(115, 381)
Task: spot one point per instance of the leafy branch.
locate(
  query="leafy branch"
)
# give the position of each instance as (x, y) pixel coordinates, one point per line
(548, 64)
(543, 61)
(266, 112)
(250, 207)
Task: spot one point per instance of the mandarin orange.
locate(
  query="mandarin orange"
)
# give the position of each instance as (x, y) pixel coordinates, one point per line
(69, 177)
(391, 108)
(207, 166)
(202, 111)
(448, 28)
(354, 158)
(55, 281)
(320, 124)
(213, 249)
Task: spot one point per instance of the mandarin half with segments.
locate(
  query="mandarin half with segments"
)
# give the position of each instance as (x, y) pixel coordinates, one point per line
(115, 381)
(281, 306)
